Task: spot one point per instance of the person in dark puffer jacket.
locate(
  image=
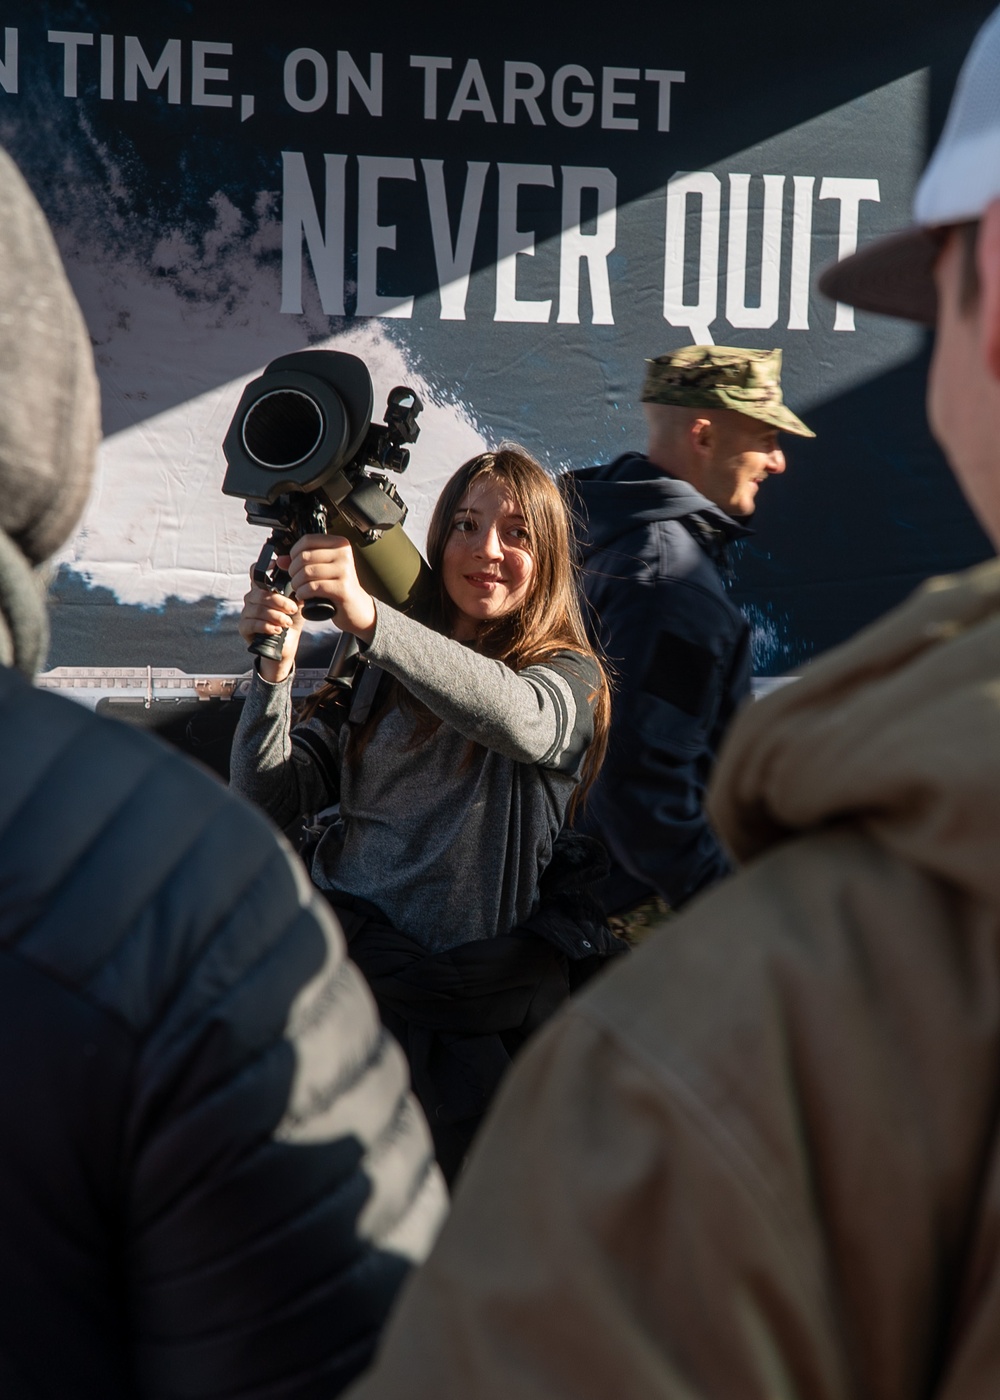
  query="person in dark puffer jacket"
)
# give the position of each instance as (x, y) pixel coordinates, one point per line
(213, 1176)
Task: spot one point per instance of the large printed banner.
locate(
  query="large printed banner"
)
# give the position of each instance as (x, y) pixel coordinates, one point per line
(508, 215)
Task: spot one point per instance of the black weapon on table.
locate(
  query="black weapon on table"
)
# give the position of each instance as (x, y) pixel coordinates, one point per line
(303, 453)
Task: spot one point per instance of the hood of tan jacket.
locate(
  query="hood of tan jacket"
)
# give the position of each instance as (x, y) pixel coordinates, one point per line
(898, 731)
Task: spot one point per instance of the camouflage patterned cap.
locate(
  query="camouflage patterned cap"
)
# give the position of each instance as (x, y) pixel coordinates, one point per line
(723, 376)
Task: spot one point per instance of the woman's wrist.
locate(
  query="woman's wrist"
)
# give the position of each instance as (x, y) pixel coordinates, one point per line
(365, 633)
(274, 672)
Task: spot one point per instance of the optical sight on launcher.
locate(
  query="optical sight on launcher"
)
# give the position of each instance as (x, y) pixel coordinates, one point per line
(304, 454)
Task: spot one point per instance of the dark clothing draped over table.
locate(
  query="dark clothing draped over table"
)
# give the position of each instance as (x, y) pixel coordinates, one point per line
(461, 1014)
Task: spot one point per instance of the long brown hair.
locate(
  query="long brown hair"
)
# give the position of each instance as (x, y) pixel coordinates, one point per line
(548, 620)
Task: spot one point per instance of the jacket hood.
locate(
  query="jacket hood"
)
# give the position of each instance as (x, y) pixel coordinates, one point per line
(50, 424)
(897, 731)
(630, 492)
(49, 416)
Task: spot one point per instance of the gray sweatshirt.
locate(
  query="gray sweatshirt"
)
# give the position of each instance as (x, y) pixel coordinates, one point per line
(449, 845)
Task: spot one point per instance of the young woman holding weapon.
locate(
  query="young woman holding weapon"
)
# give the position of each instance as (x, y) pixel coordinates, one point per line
(487, 724)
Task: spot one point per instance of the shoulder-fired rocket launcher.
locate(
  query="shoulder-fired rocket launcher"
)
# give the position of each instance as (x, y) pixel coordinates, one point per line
(303, 453)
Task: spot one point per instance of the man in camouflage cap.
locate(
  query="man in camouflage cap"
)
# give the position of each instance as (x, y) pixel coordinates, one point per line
(709, 382)
(658, 530)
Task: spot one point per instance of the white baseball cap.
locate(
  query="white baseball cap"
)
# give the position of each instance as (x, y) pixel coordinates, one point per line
(894, 275)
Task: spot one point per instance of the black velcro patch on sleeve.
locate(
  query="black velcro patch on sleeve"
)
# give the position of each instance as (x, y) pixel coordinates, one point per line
(680, 672)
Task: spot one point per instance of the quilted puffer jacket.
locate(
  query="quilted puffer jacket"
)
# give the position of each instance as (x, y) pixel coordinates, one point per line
(213, 1177)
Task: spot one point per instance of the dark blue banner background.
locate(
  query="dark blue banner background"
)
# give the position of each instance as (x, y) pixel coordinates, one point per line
(231, 182)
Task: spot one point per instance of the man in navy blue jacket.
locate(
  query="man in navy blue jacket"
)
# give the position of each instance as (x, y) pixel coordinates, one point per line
(658, 529)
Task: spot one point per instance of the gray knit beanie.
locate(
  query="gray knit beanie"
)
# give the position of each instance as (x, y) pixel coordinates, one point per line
(49, 415)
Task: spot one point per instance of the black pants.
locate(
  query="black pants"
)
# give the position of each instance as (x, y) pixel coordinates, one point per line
(463, 1014)
(460, 1015)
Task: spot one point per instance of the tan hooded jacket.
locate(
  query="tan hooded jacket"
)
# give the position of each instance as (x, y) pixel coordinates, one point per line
(760, 1159)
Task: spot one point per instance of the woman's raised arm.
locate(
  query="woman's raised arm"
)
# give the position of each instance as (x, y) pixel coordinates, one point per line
(540, 715)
